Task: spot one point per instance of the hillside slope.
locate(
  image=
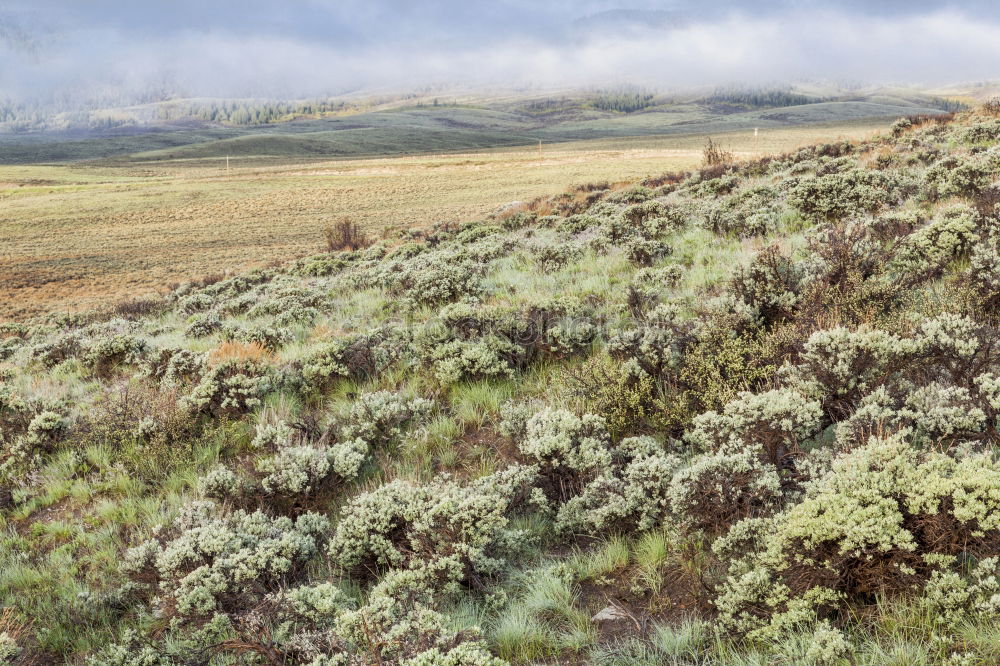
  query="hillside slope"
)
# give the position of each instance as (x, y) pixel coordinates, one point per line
(469, 124)
(742, 415)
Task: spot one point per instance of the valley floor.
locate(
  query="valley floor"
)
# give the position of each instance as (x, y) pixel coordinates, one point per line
(74, 236)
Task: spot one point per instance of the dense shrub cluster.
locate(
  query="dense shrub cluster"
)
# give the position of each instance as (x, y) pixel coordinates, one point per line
(302, 469)
(885, 518)
(231, 387)
(27, 430)
(209, 561)
(361, 356)
(753, 212)
(848, 193)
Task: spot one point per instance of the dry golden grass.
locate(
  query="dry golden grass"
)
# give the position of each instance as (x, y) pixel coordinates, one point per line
(77, 236)
(239, 351)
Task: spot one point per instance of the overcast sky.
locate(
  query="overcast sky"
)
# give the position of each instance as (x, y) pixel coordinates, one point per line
(299, 48)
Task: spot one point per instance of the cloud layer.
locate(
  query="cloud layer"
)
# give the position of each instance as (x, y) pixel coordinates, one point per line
(50, 48)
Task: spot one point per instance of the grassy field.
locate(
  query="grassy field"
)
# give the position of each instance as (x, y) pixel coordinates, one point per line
(76, 236)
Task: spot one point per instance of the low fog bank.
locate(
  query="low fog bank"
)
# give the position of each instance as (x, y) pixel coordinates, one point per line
(101, 53)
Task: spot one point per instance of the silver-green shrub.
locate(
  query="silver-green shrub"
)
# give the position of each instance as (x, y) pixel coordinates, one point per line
(361, 356)
(208, 561)
(232, 387)
(631, 494)
(772, 424)
(879, 521)
(945, 238)
(445, 531)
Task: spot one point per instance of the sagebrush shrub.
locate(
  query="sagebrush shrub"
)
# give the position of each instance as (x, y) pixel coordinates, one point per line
(58, 349)
(359, 357)
(752, 212)
(646, 252)
(454, 533)
(176, 367)
(381, 417)
(568, 449)
(552, 258)
(631, 494)
(773, 425)
(304, 468)
(232, 387)
(848, 193)
(630, 196)
(770, 286)
(208, 561)
(845, 365)
(462, 359)
(203, 325)
(268, 337)
(21, 451)
(869, 526)
(623, 394)
(945, 238)
(717, 490)
(983, 275)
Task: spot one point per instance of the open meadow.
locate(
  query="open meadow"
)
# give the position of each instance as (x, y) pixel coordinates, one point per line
(80, 235)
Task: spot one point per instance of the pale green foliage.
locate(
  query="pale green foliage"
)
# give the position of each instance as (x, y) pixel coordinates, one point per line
(297, 470)
(984, 271)
(465, 654)
(271, 436)
(358, 357)
(828, 645)
(595, 485)
(21, 451)
(316, 602)
(436, 277)
(850, 192)
(953, 598)
(948, 336)
(844, 363)
(938, 411)
(472, 359)
(989, 384)
(107, 353)
(221, 483)
(565, 444)
(268, 337)
(630, 494)
(646, 251)
(945, 238)
(961, 175)
(752, 212)
(232, 387)
(9, 649)
(929, 415)
(656, 349)
(452, 530)
(552, 258)
(718, 489)
(380, 417)
(771, 422)
(301, 468)
(854, 531)
(202, 325)
(175, 367)
(208, 561)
